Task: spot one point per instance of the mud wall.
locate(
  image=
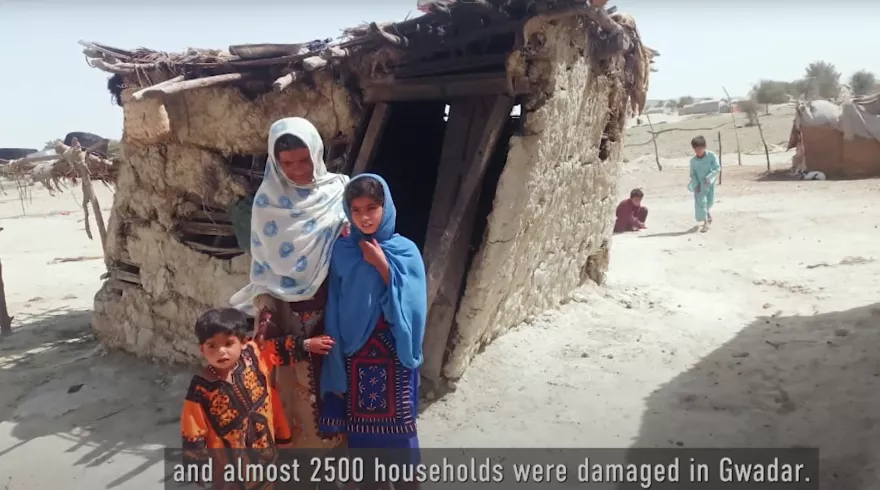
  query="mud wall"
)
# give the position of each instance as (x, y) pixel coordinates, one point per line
(826, 150)
(551, 224)
(176, 164)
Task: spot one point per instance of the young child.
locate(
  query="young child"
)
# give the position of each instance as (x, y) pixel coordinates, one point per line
(704, 171)
(631, 215)
(376, 311)
(230, 404)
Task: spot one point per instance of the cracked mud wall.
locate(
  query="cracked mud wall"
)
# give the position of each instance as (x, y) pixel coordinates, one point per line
(175, 164)
(550, 225)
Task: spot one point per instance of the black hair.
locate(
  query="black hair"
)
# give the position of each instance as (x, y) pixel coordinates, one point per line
(698, 142)
(365, 186)
(287, 142)
(636, 193)
(227, 321)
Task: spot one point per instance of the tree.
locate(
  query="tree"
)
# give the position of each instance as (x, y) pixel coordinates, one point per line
(770, 92)
(114, 149)
(862, 82)
(671, 104)
(686, 100)
(50, 145)
(798, 88)
(750, 108)
(823, 80)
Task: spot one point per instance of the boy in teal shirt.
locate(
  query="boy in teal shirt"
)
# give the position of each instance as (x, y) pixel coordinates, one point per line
(704, 171)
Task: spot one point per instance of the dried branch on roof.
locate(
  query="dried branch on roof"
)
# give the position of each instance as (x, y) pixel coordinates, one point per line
(437, 42)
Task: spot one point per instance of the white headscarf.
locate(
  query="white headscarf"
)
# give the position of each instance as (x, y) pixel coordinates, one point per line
(293, 227)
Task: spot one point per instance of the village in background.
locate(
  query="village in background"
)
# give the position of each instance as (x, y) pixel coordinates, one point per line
(760, 333)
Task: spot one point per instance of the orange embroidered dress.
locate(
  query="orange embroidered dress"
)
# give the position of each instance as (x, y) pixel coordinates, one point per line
(245, 414)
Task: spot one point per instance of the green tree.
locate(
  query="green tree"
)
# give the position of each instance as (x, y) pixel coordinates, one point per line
(750, 108)
(686, 100)
(114, 149)
(823, 80)
(50, 145)
(862, 82)
(770, 92)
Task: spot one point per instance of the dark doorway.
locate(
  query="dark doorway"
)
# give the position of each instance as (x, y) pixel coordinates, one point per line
(408, 157)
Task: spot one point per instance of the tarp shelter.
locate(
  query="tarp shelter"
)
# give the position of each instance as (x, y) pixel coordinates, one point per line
(842, 140)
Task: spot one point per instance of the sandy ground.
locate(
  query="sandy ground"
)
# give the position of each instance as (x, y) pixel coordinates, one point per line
(759, 333)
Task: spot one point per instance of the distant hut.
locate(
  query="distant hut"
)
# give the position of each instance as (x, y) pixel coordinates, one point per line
(702, 107)
(9, 154)
(511, 212)
(841, 141)
(97, 144)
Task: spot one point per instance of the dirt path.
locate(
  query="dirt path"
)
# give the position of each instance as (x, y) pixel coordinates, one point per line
(758, 333)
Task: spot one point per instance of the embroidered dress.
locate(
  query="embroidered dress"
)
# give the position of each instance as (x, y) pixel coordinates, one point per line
(243, 414)
(380, 406)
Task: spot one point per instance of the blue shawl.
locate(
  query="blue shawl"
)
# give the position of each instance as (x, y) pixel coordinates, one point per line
(358, 296)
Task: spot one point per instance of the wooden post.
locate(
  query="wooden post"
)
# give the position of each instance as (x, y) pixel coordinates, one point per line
(76, 156)
(763, 142)
(739, 159)
(373, 136)
(436, 257)
(5, 319)
(467, 117)
(720, 165)
(654, 141)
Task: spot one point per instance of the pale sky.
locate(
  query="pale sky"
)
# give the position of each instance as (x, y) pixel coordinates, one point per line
(47, 90)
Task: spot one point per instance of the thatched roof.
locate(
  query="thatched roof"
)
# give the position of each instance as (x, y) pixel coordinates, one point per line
(398, 49)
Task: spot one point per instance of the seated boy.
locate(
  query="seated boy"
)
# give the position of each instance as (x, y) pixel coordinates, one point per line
(631, 215)
(231, 404)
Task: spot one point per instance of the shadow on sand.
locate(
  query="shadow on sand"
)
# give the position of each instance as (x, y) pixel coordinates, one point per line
(783, 381)
(58, 381)
(672, 233)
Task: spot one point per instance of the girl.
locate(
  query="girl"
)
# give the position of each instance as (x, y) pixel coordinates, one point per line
(297, 215)
(376, 313)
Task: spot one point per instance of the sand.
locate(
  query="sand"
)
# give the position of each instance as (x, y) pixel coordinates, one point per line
(759, 333)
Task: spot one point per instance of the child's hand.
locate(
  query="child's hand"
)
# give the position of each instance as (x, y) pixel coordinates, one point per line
(320, 345)
(346, 230)
(373, 253)
(697, 189)
(706, 181)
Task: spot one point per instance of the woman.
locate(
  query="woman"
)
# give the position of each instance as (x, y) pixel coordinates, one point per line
(376, 314)
(297, 215)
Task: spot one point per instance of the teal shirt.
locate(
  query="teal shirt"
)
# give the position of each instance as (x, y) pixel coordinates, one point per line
(704, 170)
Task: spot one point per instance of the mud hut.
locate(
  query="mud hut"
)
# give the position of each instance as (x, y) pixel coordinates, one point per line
(841, 141)
(511, 212)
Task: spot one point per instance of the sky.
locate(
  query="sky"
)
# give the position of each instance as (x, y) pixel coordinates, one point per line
(48, 90)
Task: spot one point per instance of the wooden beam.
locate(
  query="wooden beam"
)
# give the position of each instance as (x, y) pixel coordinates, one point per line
(199, 228)
(124, 276)
(378, 120)
(436, 257)
(160, 90)
(463, 63)
(140, 94)
(444, 87)
(467, 117)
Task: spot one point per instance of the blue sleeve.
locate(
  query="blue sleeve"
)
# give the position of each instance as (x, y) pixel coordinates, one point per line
(714, 169)
(405, 304)
(333, 368)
